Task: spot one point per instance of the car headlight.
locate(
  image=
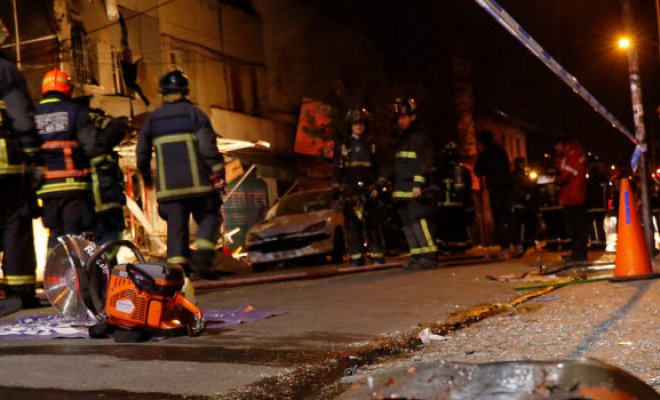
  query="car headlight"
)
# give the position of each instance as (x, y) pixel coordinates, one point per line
(319, 226)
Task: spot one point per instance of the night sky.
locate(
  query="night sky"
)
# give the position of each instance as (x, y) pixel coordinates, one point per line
(417, 39)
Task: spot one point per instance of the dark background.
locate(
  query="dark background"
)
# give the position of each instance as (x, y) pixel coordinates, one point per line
(416, 41)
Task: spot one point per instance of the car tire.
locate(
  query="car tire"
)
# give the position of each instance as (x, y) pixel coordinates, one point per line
(338, 248)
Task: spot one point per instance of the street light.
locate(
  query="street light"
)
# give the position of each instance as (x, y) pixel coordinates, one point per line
(624, 43)
(640, 130)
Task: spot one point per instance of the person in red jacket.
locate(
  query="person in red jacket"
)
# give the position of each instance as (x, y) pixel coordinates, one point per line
(572, 182)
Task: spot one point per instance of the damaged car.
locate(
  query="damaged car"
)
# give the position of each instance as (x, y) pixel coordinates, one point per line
(300, 225)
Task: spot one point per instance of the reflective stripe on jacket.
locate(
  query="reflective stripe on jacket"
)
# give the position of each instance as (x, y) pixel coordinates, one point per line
(413, 159)
(67, 138)
(18, 138)
(186, 151)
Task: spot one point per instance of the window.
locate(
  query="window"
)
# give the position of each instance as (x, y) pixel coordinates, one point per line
(83, 58)
(177, 60)
(237, 100)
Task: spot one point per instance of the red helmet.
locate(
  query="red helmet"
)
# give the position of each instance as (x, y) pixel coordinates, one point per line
(57, 81)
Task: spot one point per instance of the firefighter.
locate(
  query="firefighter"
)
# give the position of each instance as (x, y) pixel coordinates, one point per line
(355, 177)
(67, 143)
(411, 189)
(190, 170)
(107, 179)
(19, 145)
(456, 212)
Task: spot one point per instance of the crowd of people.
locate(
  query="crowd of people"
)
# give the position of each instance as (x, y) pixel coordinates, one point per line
(433, 193)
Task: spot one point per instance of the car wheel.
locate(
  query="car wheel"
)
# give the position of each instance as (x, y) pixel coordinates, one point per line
(339, 247)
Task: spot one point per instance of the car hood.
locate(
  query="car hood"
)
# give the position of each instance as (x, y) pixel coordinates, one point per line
(289, 224)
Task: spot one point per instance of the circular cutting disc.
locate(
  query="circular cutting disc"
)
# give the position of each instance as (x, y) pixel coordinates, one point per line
(68, 285)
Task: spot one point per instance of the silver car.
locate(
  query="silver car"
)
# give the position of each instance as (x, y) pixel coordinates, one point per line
(300, 225)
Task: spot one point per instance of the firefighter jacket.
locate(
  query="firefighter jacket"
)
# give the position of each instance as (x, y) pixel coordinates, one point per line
(355, 166)
(456, 183)
(67, 142)
(572, 179)
(107, 178)
(19, 142)
(186, 151)
(413, 161)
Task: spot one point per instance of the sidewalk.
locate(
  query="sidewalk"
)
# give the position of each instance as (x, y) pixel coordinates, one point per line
(612, 322)
(324, 319)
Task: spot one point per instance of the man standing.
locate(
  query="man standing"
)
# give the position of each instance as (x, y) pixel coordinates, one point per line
(414, 159)
(493, 163)
(19, 145)
(108, 180)
(572, 182)
(68, 141)
(354, 178)
(190, 169)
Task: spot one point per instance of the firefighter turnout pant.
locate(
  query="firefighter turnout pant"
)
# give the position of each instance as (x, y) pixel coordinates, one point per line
(364, 224)
(418, 227)
(17, 244)
(69, 214)
(205, 210)
(109, 226)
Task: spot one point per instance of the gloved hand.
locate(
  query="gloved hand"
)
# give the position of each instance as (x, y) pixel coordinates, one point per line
(218, 181)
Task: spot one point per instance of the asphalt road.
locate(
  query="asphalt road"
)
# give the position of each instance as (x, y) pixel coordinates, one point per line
(326, 321)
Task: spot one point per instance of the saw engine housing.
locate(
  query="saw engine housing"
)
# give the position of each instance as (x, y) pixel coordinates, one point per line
(149, 295)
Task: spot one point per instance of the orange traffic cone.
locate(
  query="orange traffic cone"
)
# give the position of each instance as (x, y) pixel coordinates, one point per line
(632, 258)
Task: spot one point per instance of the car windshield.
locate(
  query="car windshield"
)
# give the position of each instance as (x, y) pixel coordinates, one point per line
(303, 203)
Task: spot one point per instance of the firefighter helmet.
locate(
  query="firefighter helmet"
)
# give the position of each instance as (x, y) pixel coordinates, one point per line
(404, 106)
(174, 82)
(57, 80)
(358, 115)
(451, 151)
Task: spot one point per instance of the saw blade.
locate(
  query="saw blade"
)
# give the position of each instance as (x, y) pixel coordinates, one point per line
(67, 283)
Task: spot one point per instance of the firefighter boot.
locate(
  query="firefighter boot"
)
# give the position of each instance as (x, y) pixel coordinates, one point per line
(202, 264)
(26, 293)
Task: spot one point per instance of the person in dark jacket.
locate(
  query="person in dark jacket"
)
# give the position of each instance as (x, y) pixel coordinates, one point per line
(19, 145)
(572, 182)
(416, 204)
(190, 173)
(493, 164)
(355, 178)
(108, 180)
(68, 142)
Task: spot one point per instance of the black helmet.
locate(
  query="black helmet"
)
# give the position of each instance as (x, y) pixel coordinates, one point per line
(358, 115)
(174, 82)
(404, 106)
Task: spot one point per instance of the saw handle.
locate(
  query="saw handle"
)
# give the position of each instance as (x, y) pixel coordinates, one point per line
(145, 283)
(115, 243)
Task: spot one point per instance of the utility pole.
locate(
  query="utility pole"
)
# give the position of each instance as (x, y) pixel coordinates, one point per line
(640, 130)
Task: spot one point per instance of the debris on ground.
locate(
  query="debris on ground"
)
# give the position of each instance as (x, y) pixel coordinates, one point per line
(427, 337)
